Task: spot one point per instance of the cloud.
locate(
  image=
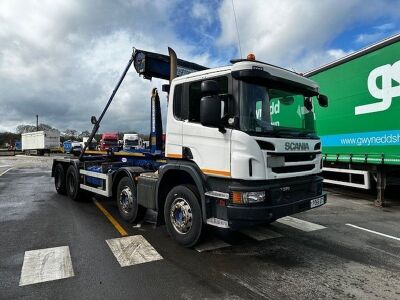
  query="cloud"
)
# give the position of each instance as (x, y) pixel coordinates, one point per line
(295, 34)
(377, 33)
(385, 27)
(61, 59)
(201, 12)
(368, 38)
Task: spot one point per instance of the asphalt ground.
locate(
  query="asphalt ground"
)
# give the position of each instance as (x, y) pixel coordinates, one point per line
(340, 260)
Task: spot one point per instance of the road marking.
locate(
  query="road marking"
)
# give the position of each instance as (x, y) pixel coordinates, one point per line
(4, 166)
(212, 243)
(110, 218)
(260, 233)
(46, 265)
(300, 224)
(376, 232)
(6, 171)
(133, 250)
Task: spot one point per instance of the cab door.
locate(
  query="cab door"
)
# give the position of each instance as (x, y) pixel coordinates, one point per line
(206, 146)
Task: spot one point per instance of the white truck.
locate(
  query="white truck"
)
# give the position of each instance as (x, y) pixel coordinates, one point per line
(132, 141)
(91, 146)
(226, 163)
(40, 142)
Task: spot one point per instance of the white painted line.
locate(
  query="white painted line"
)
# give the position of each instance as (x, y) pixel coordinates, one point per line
(376, 232)
(6, 171)
(4, 166)
(46, 265)
(300, 224)
(133, 250)
(211, 244)
(260, 233)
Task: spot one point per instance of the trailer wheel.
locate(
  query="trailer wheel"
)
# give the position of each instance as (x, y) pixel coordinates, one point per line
(72, 184)
(183, 216)
(59, 179)
(127, 203)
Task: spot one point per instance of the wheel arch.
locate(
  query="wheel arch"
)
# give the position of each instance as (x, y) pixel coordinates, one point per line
(172, 175)
(130, 172)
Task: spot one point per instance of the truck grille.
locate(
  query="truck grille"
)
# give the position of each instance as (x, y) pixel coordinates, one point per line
(296, 192)
(292, 169)
(296, 157)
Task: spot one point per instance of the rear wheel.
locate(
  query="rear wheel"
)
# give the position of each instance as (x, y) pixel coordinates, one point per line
(59, 179)
(127, 203)
(72, 184)
(183, 216)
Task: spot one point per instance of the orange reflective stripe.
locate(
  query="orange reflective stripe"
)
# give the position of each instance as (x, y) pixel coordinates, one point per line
(216, 172)
(174, 155)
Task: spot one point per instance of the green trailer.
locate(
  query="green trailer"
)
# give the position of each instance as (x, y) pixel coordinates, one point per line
(360, 130)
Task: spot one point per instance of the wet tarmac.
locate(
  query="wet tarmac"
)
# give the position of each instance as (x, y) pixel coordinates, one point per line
(353, 253)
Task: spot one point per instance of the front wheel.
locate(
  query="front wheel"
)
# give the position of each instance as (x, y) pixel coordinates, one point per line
(182, 215)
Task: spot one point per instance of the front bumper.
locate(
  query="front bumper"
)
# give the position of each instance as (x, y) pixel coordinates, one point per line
(243, 216)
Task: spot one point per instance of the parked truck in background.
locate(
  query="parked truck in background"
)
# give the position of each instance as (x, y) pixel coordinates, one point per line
(108, 141)
(91, 146)
(72, 147)
(40, 142)
(18, 146)
(226, 164)
(360, 131)
(132, 141)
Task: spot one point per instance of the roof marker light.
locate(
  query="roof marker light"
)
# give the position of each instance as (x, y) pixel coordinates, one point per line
(251, 56)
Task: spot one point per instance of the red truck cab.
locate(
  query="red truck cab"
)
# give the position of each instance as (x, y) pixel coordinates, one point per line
(108, 140)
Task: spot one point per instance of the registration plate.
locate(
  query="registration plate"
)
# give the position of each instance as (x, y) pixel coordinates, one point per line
(317, 202)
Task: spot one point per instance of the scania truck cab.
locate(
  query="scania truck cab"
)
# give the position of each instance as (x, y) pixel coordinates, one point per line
(248, 130)
(240, 150)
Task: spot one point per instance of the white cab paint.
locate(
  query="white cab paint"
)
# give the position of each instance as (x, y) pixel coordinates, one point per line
(173, 143)
(228, 154)
(210, 148)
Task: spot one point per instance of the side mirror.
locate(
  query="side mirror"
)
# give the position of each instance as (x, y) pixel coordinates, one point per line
(93, 120)
(210, 110)
(209, 87)
(322, 100)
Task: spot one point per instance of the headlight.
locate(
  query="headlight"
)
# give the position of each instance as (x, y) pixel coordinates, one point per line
(248, 197)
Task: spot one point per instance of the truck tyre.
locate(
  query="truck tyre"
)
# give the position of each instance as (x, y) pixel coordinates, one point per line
(59, 179)
(72, 184)
(127, 203)
(182, 214)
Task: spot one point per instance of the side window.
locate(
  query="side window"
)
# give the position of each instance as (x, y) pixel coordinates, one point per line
(178, 102)
(195, 96)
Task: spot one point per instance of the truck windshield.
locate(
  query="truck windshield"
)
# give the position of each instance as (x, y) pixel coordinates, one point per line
(274, 112)
(131, 142)
(111, 142)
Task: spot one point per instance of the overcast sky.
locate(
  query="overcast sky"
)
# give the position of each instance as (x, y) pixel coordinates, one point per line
(62, 58)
